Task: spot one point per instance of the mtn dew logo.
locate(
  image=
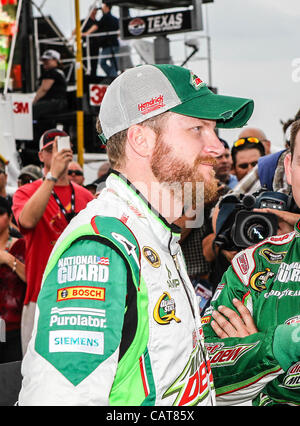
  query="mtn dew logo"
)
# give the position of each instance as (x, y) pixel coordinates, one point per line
(192, 385)
(196, 82)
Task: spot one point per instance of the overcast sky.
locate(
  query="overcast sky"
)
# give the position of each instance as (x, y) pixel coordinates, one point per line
(254, 43)
(253, 46)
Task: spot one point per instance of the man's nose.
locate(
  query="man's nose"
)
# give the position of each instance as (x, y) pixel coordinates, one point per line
(213, 146)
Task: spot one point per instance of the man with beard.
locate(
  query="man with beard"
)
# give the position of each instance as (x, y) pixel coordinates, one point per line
(118, 320)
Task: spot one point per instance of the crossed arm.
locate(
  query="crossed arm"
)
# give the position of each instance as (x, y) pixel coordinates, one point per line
(227, 323)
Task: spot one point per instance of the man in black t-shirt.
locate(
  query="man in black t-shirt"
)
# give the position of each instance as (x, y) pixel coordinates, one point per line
(90, 45)
(108, 43)
(51, 96)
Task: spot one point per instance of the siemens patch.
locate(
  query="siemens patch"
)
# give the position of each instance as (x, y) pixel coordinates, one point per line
(91, 342)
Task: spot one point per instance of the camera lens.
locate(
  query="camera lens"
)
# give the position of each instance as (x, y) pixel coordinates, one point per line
(253, 227)
(257, 232)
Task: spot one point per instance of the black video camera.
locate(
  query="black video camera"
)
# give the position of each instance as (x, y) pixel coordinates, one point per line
(238, 226)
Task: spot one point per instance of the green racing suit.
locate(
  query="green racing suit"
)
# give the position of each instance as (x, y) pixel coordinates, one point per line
(266, 278)
(117, 320)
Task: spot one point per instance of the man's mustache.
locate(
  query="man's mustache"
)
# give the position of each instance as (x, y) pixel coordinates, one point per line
(205, 159)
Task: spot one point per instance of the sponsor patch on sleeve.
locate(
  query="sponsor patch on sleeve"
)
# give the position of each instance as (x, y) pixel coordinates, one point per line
(91, 342)
(81, 292)
(81, 309)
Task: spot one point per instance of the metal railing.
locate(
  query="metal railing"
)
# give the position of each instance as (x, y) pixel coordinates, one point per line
(127, 51)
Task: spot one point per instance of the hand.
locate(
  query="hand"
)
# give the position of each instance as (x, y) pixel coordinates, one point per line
(286, 220)
(4, 257)
(60, 160)
(221, 188)
(234, 325)
(229, 254)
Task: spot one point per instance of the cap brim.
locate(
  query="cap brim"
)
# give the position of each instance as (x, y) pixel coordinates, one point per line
(47, 144)
(45, 58)
(229, 112)
(28, 174)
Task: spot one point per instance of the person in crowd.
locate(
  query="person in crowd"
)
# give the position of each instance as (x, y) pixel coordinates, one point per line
(255, 132)
(261, 364)
(12, 287)
(97, 185)
(137, 329)
(92, 187)
(90, 45)
(269, 171)
(109, 43)
(245, 153)
(75, 173)
(29, 174)
(3, 193)
(223, 167)
(42, 210)
(199, 269)
(3, 179)
(102, 174)
(286, 128)
(103, 169)
(51, 95)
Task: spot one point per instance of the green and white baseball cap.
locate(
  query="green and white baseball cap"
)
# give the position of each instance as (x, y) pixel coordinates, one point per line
(149, 90)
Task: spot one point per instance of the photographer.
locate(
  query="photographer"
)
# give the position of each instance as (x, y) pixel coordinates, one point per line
(245, 155)
(257, 356)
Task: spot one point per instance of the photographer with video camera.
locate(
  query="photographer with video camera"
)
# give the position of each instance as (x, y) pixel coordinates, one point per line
(252, 328)
(245, 154)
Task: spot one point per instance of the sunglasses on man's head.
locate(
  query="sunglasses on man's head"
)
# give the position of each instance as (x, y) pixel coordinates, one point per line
(76, 172)
(241, 141)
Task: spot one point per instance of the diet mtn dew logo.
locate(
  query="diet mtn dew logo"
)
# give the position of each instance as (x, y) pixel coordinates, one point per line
(196, 82)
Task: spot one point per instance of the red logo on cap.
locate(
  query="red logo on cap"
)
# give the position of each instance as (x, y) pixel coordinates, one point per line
(196, 81)
(149, 106)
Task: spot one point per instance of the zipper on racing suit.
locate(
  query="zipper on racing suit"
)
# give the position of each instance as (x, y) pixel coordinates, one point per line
(176, 263)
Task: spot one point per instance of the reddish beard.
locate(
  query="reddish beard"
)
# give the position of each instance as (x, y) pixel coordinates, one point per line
(169, 169)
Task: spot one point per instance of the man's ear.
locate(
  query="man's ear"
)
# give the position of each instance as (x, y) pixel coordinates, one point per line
(141, 139)
(41, 157)
(288, 168)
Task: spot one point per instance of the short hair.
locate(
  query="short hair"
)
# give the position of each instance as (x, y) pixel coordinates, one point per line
(116, 144)
(226, 146)
(247, 145)
(108, 4)
(294, 131)
(5, 206)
